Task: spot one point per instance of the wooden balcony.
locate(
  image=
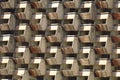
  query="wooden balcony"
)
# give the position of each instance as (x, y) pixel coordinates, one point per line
(104, 22)
(116, 73)
(6, 44)
(39, 21)
(86, 74)
(70, 45)
(71, 22)
(23, 11)
(23, 33)
(103, 45)
(70, 67)
(21, 74)
(38, 44)
(116, 15)
(87, 33)
(115, 57)
(7, 21)
(103, 4)
(39, 4)
(7, 4)
(72, 3)
(54, 74)
(6, 66)
(22, 55)
(116, 62)
(116, 12)
(55, 11)
(116, 50)
(54, 56)
(115, 35)
(87, 11)
(116, 38)
(54, 33)
(37, 66)
(104, 68)
(86, 56)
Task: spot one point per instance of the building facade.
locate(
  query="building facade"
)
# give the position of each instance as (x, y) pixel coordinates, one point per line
(59, 40)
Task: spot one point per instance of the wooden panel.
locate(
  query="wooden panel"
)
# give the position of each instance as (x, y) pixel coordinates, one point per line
(115, 39)
(116, 15)
(68, 50)
(33, 72)
(35, 49)
(37, 4)
(102, 4)
(69, 4)
(116, 62)
(53, 15)
(52, 39)
(85, 39)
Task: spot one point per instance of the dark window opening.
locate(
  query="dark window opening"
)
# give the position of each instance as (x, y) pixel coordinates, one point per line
(71, 78)
(105, 56)
(85, 10)
(40, 77)
(84, 33)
